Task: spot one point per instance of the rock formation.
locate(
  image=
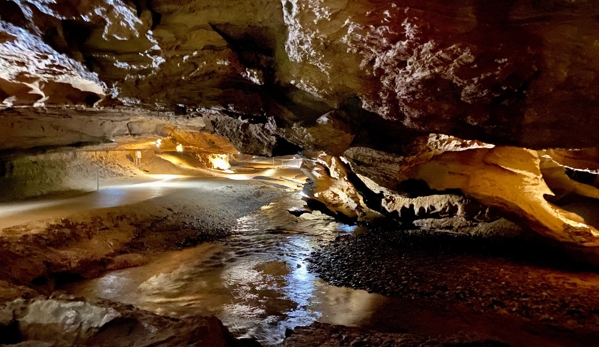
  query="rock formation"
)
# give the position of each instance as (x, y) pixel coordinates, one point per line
(468, 116)
(367, 82)
(64, 321)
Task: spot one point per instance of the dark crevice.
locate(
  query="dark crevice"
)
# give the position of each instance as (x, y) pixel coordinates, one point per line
(288, 7)
(284, 147)
(61, 278)
(301, 105)
(40, 281)
(75, 33)
(582, 176)
(138, 8)
(156, 17)
(12, 13)
(247, 39)
(412, 188)
(494, 12)
(518, 95)
(91, 99)
(10, 334)
(372, 131)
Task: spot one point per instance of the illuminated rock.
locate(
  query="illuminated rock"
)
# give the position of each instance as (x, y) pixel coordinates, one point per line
(559, 182)
(358, 197)
(512, 180)
(509, 179)
(582, 160)
(333, 188)
(390, 169)
(33, 73)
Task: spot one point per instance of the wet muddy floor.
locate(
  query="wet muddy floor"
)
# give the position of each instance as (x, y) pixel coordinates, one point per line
(255, 281)
(263, 280)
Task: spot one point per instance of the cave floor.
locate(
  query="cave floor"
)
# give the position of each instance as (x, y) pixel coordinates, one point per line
(112, 193)
(115, 192)
(256, 280)
(520, 291)
(275, 272)
(279, 272)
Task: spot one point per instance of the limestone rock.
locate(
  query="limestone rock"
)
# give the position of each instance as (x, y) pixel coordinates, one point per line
(33, 73)
(508, 73)
(330, 133)
(333, 188)
(513, 181)
(559, 182)
(510, 179)
(578, 159)
(65, 321)
(56, 127)
(358, 197)
(503, 72)
(247, 137)
(388, 169)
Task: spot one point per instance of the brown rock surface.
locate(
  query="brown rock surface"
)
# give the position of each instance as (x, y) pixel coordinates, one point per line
(319, 334)
(510, 179)
(66, 321)
(333, 188)
(514, 72)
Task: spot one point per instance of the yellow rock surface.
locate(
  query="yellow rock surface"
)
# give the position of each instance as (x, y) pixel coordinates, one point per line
(510, 179)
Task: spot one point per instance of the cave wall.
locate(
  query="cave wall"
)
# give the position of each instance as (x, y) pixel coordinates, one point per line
(396, 90)
(30, 175)
(510, 72)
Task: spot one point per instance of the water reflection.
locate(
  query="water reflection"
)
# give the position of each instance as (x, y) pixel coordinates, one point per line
(15, 213)
(256, 281)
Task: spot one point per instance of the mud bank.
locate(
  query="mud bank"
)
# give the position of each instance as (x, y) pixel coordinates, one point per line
(39, 254)
(516, 291)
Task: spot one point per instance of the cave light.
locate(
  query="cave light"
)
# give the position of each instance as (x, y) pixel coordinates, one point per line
(179, 148)
(269, 172)
(158, 143)
(7, 209)
(220, 162)
(159, 180)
